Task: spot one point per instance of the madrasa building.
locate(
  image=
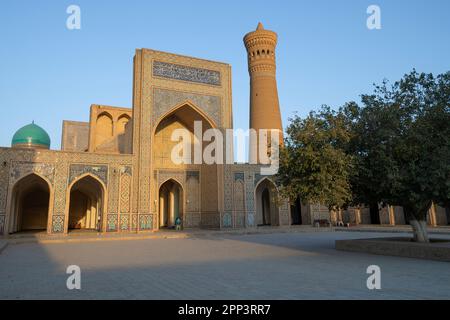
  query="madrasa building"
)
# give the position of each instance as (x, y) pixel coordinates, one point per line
(115, 173)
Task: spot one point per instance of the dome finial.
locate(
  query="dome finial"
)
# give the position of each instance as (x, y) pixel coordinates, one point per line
(260, 26)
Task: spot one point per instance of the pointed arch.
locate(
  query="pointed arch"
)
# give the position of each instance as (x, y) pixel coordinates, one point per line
(104, 128)
(29, 204)
(174, 179)
(122, 121)
(181, 117)
(86, 204)
(185, 104)
(267, 210)
(170, 203)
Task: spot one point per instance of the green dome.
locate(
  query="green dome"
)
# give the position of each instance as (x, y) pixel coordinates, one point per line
(31, 136)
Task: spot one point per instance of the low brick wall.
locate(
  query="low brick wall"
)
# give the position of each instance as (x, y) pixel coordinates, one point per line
(438, 250)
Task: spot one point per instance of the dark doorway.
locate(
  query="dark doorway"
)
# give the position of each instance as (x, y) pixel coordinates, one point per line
(266, 207)
(31, 196)
(374, 213)
(170, 204)
(267, 211)
(296, 212)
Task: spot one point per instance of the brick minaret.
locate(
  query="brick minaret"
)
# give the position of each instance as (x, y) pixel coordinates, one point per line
(264, 105)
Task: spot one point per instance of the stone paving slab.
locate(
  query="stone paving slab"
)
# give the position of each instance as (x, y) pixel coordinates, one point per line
(294, 265)
(77, 237)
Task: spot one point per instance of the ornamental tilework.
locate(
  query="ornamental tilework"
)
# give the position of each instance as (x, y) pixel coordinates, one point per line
(60, 189)
(144, 100)
(127, 170)
(250, 220)
(113, 194)
(134, 222)
(259, 177)
(57, 224)
(100, 171)
(55, 167)
(227, 221)
(124, 222)
(137, 108)
(193, 175)
(239, 176)
(125, 193)
(4, 181)
(177, 175)
(250, 200)
(111, 222)
(19, 169)
(228, 188)
(164, 100)
(145, 222)
(186, 73)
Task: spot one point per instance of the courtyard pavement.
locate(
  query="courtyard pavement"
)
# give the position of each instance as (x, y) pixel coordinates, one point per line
(301, 265)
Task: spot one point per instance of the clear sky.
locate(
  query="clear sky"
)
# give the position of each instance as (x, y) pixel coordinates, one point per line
(326, 54)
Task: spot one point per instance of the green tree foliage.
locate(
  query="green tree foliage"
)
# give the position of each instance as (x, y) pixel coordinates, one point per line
(313, 161)
(393, 149)
(401, 144)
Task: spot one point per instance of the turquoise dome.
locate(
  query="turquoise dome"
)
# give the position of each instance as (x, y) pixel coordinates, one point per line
(31, 136)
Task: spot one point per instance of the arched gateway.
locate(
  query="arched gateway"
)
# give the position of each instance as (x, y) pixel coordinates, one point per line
(170, 203)
(267, 211)
(30, 204)
(86, 204)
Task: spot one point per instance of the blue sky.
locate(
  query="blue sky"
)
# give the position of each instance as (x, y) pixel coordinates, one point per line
(326, 54)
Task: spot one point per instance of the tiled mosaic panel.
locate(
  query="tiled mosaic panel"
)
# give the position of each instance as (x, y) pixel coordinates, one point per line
(227, 221)
(57, 224)
(124, 222)
(250, 200)
(134, 222)
(165, 100)
(145, 222)
(113, 190)
(20, 169)
(239, 219)
(111, 222)
(77, 170)
(186, 73)
(125, 193)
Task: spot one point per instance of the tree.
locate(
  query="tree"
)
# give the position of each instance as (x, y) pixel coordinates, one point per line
(373, 128)
(401, 146)
(313, 161)
(393, 149)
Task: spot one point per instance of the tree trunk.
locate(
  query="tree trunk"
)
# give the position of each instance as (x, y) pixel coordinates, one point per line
(420, 230)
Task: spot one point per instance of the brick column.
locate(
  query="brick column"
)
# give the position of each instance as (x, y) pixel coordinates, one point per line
(432, 213)
(357, 216)
(391, 215)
